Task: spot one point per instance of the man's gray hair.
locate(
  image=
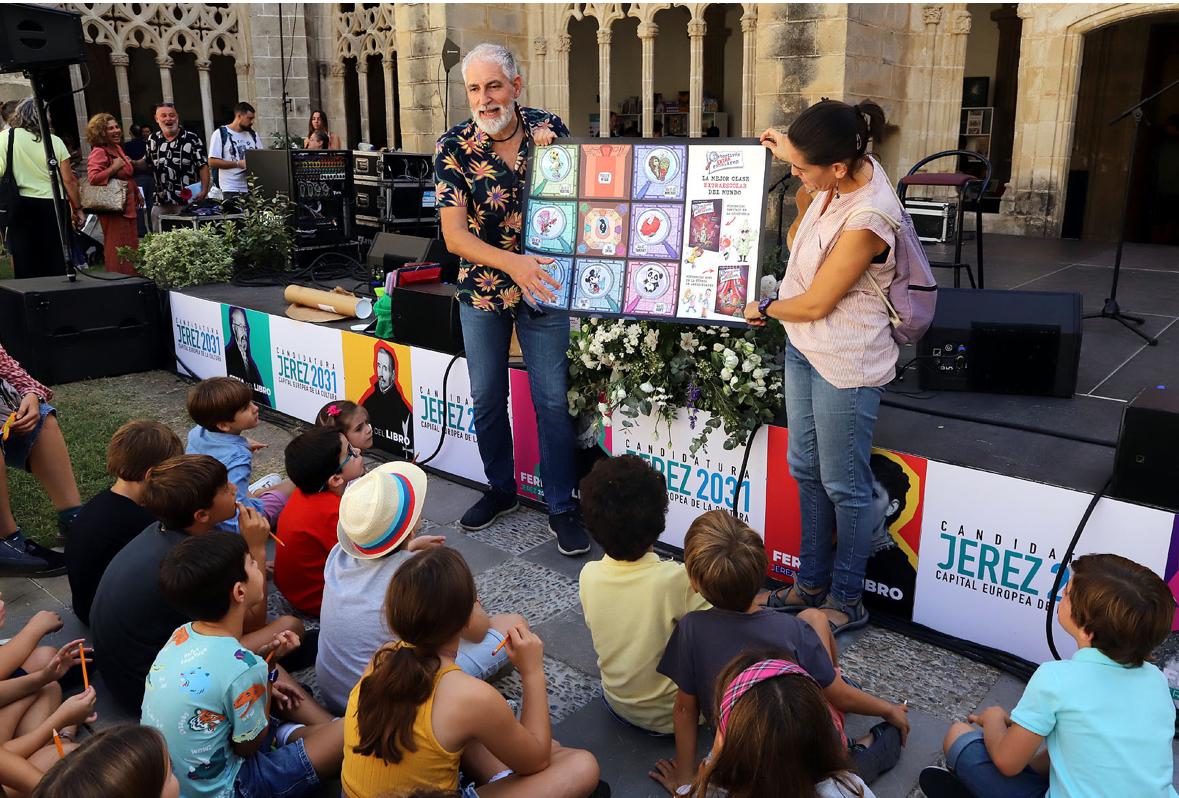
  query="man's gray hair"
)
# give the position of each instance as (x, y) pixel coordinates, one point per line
(497, 54)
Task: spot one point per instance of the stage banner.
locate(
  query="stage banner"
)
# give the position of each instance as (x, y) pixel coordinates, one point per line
(649, 228)
(991, 546)
(696, 483)
(1172, 574)
(378, 376)
(197, 337)
(525, 440)
(247, 350)
(308, 366)
(460, 453)
(898, 491)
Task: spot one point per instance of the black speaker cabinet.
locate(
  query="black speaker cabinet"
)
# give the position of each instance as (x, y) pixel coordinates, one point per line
(35, 37)
(427, 315)
(64, 332)
(988, 341)
(393, 250)
(1146, 468)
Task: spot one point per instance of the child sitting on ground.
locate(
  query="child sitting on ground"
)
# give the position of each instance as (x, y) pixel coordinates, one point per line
(1106, 714)
(349, 418)
(30, 701)
(124, 761)
(726, 563)
(379, 519)
(223, 408)
(210, 695)
(415, 715)
(624, 502)
(190, 495)
(321, 463)
(113, 517)
(775, 735)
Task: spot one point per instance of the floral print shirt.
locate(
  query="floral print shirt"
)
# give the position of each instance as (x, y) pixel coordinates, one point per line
(176, 163)
(470, 175)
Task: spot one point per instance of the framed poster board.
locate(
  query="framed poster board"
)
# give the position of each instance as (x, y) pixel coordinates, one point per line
(650, 228)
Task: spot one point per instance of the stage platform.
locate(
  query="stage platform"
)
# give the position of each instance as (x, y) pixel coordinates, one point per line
(1115, 364)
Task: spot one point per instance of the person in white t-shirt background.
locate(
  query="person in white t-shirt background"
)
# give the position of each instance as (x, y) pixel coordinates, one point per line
(227, 152)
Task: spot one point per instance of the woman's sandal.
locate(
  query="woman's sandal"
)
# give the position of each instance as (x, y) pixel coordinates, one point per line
(793, 598)
(857, 616)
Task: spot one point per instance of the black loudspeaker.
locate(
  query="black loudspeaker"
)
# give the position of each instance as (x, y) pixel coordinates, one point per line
(427, 315)
(1146, 468)
(35, 37)
(393, 250)
(1021, 342)
(63, 332)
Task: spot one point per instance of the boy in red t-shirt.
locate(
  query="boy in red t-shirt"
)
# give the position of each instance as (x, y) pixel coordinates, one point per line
(321, 463)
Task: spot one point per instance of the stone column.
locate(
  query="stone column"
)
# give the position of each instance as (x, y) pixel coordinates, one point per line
(390, 105)
(604, 38)
(748, 71)
(337, 111)
(77, 84)
(931, 17)
(203, 66)
(121, 61)
(362, 93)
(540, 89)
(696, 30)
(243, 82)
(165, 63)
(561, 78)
(647, 33)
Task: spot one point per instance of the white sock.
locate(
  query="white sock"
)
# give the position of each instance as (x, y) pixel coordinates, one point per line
(284, 731)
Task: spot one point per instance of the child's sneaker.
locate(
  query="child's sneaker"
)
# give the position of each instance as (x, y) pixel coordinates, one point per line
(265, 483)
(938, 782)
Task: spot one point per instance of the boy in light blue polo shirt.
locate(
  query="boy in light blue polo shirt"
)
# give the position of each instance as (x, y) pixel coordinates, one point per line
(1106, 715)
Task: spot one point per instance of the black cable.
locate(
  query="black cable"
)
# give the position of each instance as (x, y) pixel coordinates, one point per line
(445, 408)
(744, 468)
(1064, 561)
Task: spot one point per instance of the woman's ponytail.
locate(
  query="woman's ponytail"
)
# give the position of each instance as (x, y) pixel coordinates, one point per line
(401, 681)
(831, 132)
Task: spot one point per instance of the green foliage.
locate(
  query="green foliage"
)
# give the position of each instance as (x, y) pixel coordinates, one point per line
(263, 240)
(280, 142)
(623, 369)
(183, 257)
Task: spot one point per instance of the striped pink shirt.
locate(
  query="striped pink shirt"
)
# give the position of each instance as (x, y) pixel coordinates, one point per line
(851, 347)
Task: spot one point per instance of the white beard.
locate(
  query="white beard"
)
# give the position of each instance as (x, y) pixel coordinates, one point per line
(493, 127)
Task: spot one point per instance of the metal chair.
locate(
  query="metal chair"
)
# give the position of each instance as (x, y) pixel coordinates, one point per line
(970, 188)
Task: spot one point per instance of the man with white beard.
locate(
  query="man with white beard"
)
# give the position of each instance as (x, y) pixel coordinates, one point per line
(479, 167)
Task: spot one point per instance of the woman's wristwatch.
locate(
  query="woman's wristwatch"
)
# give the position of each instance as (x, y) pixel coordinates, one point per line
(764, 306)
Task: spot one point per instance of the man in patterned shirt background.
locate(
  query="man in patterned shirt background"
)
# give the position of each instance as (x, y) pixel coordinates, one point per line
(479, 167)
(177, 158)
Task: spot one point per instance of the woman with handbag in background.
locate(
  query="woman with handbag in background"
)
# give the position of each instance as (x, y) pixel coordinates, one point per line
(111, 192)
(31, 220)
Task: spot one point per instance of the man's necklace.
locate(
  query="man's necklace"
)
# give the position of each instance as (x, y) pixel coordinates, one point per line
(515, 130)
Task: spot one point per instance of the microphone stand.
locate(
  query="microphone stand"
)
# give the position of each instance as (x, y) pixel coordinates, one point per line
(1111, 310)
(63, 219)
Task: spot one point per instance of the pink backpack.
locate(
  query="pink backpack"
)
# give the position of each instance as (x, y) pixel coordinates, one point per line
(911, 297)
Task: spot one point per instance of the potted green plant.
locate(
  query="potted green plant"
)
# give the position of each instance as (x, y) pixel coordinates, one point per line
(263, 239)
(183, 257)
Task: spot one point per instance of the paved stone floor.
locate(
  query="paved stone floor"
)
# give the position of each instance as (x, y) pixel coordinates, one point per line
(518, 569)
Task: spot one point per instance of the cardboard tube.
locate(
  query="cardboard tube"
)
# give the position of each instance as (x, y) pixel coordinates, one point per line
(344, 304)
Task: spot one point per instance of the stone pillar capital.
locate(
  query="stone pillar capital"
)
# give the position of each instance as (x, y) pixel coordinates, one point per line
(960, 23)
(338, 70)
(120, 59)
(564, 43)
(540, 46)
(648, 30)
(605, 36)
(697, 28)
(362, 66)
(749, 22)
(931, 15)
(241, 67)
(165, 62)
(204, 65)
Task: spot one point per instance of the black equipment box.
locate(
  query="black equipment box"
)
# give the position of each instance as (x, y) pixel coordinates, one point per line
(427, 315)
(1146, 468)
(36, 37)
(393, 250)
(934, 220)
(64, 332)
(319, 184)
(393, 166)
(1020, 342)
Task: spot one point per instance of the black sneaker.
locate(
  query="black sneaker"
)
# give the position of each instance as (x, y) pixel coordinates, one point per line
(572, 539)
(490, 506)
(18, 559)
(938, 782)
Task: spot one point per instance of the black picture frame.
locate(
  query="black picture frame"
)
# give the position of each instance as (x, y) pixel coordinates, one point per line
(976, 92)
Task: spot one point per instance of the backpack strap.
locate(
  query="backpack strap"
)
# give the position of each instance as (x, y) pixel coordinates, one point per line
(894, 318)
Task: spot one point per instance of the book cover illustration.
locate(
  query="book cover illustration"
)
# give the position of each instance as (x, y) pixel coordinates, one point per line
(605, 171)
(651, 288)
(598, 285)
(561, 270)
(554, 171)
(659, 171)
(550, 227)
(697, 289)
(732, 286)
(603, 229)
(656, 230)
(705, 221)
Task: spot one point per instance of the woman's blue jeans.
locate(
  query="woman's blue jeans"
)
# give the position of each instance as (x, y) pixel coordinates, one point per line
(544, 340)
(830, 434)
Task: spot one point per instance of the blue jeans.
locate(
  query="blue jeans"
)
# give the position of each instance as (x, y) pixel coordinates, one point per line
(829, 450)
(479, 659)
(544, 340)
(18, 447)
(283, 772)
(971, 763)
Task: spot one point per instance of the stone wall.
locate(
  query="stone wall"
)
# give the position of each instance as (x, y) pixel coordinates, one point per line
(266, 66)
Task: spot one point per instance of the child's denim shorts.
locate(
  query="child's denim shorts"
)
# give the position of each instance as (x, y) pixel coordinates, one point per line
(971, 763)
(18, 447)
(283, 772)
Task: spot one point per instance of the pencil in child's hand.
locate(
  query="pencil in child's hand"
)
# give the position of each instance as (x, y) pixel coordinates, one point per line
(498, 648)
(60, 747)
(276, 539)
(85, 675)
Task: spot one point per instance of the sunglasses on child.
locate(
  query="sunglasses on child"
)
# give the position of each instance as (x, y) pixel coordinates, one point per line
(352, 452)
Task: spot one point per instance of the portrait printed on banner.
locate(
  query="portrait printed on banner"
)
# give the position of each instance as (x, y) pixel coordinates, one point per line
(242, 352)
(389, 411)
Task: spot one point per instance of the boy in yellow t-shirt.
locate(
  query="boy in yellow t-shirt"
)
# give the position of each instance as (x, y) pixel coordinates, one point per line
(632, 599)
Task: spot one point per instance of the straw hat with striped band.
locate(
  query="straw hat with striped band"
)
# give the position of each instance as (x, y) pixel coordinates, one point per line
(380, 509)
